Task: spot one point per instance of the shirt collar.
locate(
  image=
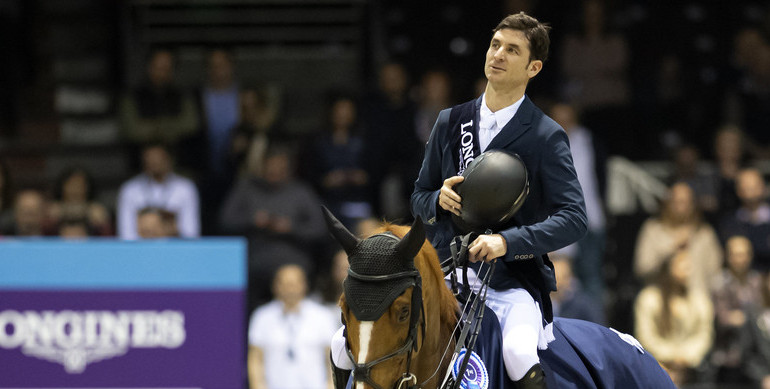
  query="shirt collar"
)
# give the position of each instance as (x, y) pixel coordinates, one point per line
(501, 116)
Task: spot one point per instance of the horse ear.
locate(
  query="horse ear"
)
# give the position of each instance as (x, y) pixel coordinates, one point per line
(345, 237)
(411, 243)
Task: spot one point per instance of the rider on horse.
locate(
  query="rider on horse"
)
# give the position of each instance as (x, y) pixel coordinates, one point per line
(553, 214)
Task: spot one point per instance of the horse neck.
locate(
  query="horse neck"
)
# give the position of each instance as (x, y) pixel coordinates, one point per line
(439, 306)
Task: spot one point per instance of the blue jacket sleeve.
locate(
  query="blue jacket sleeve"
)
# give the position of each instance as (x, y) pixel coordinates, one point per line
(566, 220)
(424, 201)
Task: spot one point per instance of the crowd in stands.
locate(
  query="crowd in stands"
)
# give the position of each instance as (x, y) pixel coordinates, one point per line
(217, 161)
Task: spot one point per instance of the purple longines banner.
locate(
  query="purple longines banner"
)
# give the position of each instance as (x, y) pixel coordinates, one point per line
(109, 314)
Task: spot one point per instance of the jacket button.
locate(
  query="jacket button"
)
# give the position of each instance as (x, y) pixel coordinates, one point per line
(515, 257)
(531, 255)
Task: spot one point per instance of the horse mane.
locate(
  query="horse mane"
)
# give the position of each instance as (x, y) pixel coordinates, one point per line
(427, 258)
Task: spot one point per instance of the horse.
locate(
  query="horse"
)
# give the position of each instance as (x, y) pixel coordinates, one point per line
(400, 317)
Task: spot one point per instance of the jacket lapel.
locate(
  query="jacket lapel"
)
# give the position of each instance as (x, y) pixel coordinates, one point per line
(519, 124)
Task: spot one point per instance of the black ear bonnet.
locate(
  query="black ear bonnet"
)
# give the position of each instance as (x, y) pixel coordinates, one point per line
(381, 267)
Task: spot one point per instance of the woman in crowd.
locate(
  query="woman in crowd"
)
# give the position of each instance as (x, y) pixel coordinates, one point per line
(74, 199)
(674, 321)
(678, 227)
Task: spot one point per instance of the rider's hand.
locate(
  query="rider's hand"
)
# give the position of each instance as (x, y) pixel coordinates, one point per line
(487, 248)
(448, 199)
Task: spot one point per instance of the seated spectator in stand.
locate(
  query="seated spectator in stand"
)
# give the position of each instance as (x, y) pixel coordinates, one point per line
(730, 155)
(158, 186)
(281, 218)
(258, 127)
(686, 169)
(158, 111)
(29, 215)
(75, 199)
(678, 227)
(736, 293)
(673, 321)
(752, 218)
(338, 164)
(289, 337)
(757, 339)
(153, 223)
(570, 300)
(74, 229)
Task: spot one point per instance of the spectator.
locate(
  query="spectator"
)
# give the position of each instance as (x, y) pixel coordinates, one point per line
(673, 321)
(280, 216)
(570, 300)
(158, 186)
(289, 337)
(75, 199)
(158, 111)
(74, 229)
(595, 63)
(737, 293)
(220, 107)
(435, 95)
(730, 153)
(154, 223)
(590, 167)
(687, 169)
(29, 214)
(678, 227)
(330, 285)
(338, 164)
(757, 365)
(752, 218)
(391, 147)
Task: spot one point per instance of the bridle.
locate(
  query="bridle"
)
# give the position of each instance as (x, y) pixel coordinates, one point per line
(361, 371)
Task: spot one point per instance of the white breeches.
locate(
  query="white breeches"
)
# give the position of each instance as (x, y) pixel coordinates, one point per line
(522, 326)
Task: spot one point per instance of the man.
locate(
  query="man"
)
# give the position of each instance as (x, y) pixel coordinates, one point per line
(752, 218)
(158, 186)
(553, 215)
(288, 337)
(28, 219)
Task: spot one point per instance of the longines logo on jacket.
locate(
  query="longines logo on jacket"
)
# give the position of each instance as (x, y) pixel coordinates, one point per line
(77, 338)
(466, 147)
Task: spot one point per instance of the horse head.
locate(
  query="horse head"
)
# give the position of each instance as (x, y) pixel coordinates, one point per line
(397, 310)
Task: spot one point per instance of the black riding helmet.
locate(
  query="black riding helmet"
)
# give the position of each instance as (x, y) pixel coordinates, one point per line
(496, 185)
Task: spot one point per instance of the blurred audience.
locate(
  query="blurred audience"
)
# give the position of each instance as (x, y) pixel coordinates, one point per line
(74, 229)
(752, 218)
(281, 218)
(154, 223)
(338, 163)
(158, 186)
(736, 293)
(289, 337)
(591, 170)
(329, 285)
(688, 169)
(158, 111)
(570, 299)
(674, 321)
(6, 200)
(74, 198)
(679, 227)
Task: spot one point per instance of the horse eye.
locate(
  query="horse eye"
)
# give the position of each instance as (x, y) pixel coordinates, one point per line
(404, 314)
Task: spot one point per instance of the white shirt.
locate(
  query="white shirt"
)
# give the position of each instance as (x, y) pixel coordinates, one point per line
(295, 346)
(175, 194)
(491, 123)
